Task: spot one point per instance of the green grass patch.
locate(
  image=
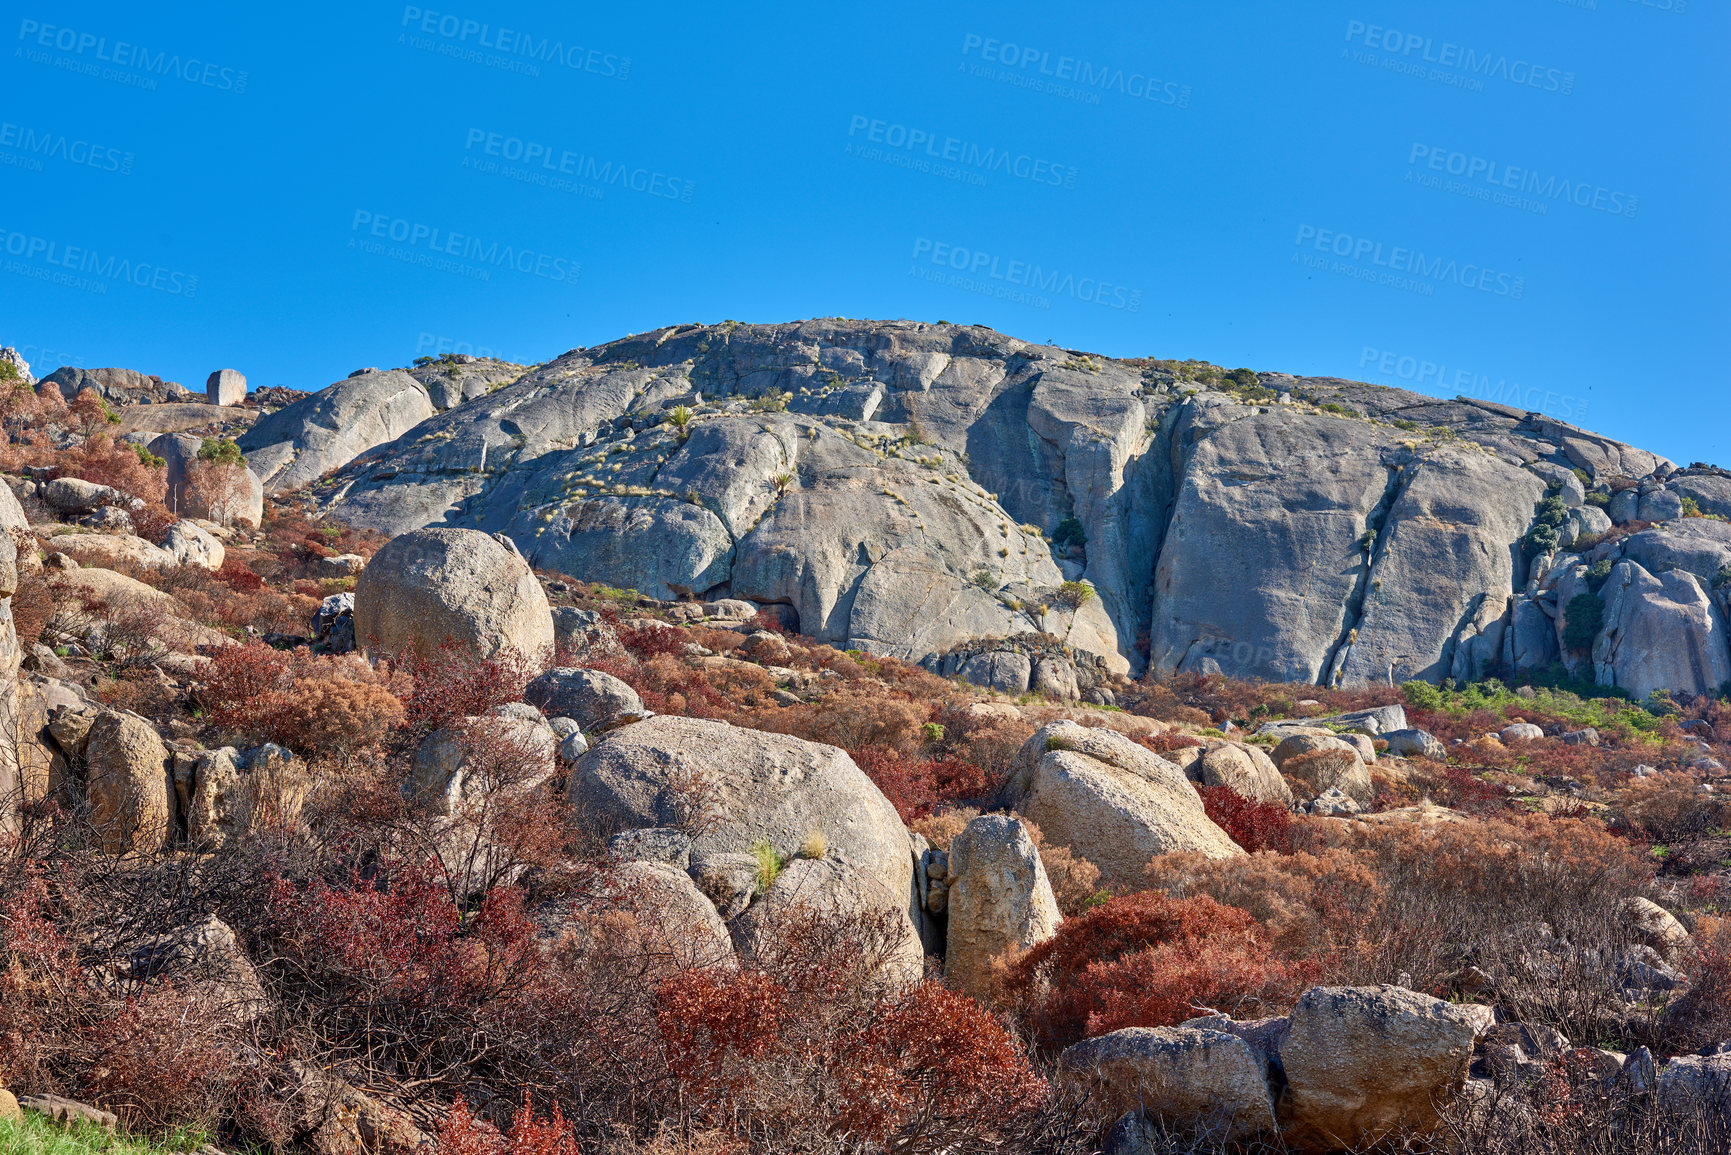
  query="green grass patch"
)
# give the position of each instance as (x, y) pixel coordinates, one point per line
(37, 1134)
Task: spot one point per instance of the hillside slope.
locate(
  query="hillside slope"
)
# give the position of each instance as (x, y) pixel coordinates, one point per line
(905, 487)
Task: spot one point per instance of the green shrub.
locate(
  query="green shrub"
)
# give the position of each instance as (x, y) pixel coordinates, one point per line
(1421, 695)
(1070, 532)
(220, 451)
(1074, 595)
(1586, 617)
(1601, 500)
(1598, 574)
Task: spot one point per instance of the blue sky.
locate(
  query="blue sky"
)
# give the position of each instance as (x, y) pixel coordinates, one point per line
(1522, 199)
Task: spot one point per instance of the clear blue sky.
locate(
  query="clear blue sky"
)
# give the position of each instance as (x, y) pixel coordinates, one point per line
(1486, 197)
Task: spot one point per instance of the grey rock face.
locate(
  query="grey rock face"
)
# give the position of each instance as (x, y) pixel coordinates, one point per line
(1416, 744)
(1110, 801)
(298, 444)
(875, 477)
(1190, 1077)
(225, 387)
(740, 786)
(1006, 671)
(594, 700)
(116, 386)
(1710, 491)
(1661, 632)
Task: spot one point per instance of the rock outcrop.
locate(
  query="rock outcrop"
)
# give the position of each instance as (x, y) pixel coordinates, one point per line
(116, 386)
(298, 444)
(911, 488)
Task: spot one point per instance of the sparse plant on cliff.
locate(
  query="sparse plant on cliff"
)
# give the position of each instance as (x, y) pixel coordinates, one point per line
(680, 418)
(1074, 595)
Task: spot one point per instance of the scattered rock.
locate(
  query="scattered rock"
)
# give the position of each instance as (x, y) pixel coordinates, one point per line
(127, 783)
(69, 1111)
(1110, 801)
(1416, 744)
(1521, 732)
(1196, 1079)
(596, 701)
(1000, 899)
(1363, 1063)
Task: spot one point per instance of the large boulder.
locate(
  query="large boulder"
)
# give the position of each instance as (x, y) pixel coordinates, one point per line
(225, 794)
(74, 497)
(1661, 632)
(1365, 1063)
(301, 442)
(225, 494)
(225, 387)
(845, 849)
(116, 386)
(1192, 1078)
(452, 587)
(1110, 801)
(594, 699)
(675, 915)
(127, 784)
(104, 550)
(1247, 770)
(1000, 900)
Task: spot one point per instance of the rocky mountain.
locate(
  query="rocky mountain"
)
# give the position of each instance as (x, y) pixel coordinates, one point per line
(907, 488)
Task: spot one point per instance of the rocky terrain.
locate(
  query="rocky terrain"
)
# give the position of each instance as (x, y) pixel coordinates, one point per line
(356, 803)
(909, 488)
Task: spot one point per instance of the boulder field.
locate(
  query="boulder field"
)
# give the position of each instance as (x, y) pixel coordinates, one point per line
(910, 488)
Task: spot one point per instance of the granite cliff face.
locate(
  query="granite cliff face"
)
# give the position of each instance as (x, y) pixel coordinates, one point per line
(905, 487)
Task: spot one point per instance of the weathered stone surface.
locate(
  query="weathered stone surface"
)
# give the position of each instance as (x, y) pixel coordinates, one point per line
(1110, 801)
(1000, 899)
(1522, 732)
(1006, 671)
(108, 549)
(1246, 769)
(452, 586)
(747, 785)
(225, 387)
(653, 844)
(593, 699)
(187, 544)
(886, 506)
(1710, 491)
(116, 386)
(300, 443)
(74, 496)
(1192, 1078)
(1661, 632)
(676, 913)
(127, 784)
(1363, 1063)
(1657, 926)
(1416, 744)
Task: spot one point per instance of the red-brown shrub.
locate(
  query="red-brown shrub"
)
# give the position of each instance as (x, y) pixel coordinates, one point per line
(1145, 960)
(1253, 825)
(453, 683)
(32, 605)
(934, 1068)
(315, 705)
(918, 786)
